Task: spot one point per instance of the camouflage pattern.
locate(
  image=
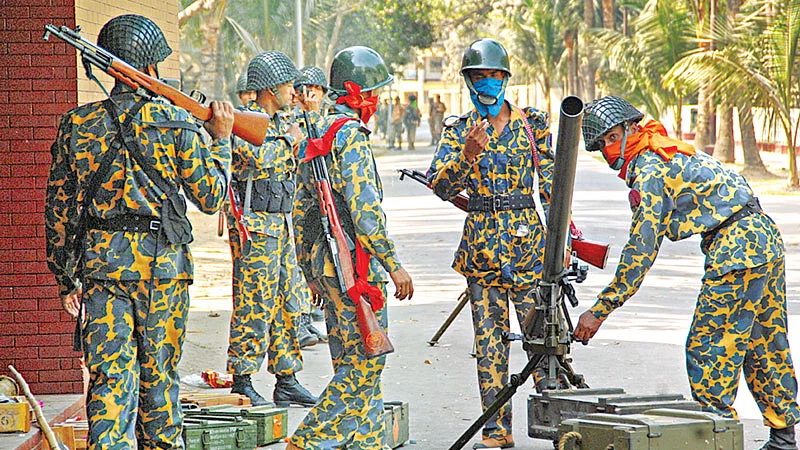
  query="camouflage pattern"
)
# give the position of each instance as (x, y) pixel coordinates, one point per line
(490, 320)
(267, 284)
(740, 323)
(503, 248)
(134, 331)
(740, 320)
(501, 253)
(126, 266)
(349, 413)
(135, 39)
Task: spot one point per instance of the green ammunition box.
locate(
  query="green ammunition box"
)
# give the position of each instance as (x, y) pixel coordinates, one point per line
(395, 414)
(657, 429)
(548, 409)
(230, 433)
(271, 423)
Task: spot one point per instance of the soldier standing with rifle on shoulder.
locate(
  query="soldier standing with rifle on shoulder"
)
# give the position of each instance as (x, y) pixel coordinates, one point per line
(350, 411)
(116, 223)
(495, 152)
(266, 312)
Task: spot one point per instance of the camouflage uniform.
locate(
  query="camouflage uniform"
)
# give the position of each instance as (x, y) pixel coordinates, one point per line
(500, 252)
(349, 413)
(135, 283)
(740, 317)
(266, 280)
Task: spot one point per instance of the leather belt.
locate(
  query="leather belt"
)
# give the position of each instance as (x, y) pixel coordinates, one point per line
(751, 207)
(500, 202)
(130, 222)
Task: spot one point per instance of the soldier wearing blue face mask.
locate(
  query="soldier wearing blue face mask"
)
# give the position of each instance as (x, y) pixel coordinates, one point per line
(494, 153)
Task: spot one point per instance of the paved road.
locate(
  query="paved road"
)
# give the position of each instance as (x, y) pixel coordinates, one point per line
(640, 348)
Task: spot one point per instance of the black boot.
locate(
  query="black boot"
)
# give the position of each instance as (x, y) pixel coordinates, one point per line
(305, 337)
(305, 322)
(781, 439)
(243, 385)
(289, 391)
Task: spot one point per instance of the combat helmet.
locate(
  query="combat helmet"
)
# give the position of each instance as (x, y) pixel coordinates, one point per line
(485, 54)
(603, 114)
(135, 39)
(361, 65)
(241, 83)
(269, 70)
(311, 76)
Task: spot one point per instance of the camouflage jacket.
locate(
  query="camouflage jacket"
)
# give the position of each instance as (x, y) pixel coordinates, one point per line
(680, 198)
(503, 248)
(354, 177)
(274, 159)
(181, 155)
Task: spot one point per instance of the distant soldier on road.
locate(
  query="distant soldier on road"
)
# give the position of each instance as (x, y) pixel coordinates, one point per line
(113, 208)
(740, 319)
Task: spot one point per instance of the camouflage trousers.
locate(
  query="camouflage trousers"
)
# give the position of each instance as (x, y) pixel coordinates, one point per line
(349, 413)
(133, 334)
(740, 324)
(266, 307)
(490, 319)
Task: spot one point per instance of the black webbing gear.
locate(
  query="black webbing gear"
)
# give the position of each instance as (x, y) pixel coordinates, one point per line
(130, 223)
(751, 207)
(500, 202)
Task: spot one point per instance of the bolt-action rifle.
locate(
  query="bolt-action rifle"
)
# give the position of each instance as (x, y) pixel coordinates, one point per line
(248, 125)
(373, 337)
(594, 253)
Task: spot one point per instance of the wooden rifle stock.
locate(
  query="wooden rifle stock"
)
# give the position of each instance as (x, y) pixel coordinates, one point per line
(373, 337)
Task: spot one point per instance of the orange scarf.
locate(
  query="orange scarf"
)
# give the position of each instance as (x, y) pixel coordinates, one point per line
(652, 136)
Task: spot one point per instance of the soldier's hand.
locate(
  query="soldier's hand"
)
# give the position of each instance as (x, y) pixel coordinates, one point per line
(221, 122)
(316, 294)
(294, 130)
(476, 140)
(72, 301)
(403, 286)
(587, 327)
(310, 100)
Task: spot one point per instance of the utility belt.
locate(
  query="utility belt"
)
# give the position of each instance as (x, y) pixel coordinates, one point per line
(129, 222)
(751, 207)
(500, 202)
(268, 195)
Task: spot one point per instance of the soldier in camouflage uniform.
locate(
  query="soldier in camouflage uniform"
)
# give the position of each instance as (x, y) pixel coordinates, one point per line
(266, 279)
(740, 318)
(350, 411)
(131, 275)
(245, 96)
(495, 152)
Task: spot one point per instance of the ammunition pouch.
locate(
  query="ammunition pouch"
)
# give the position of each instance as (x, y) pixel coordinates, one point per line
(494, 203)
(270, 195)
(751, 207)
(175, 224)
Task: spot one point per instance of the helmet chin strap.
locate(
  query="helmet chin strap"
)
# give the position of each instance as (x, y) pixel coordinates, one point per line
(284, 105)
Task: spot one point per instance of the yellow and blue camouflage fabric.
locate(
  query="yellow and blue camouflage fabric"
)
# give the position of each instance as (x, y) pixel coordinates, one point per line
(135, 284)
(501, 253)
(740, 318)
(502, 248)
(267, 282)
(349, 413)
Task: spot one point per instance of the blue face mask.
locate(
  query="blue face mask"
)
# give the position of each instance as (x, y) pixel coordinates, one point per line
(491, 87)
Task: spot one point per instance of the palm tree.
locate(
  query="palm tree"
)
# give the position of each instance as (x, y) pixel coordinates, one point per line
(759, 65)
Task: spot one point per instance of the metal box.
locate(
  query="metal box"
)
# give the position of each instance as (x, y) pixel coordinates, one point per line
(231, 433)
(271, 423)
(658, 429)
(548, 409)
(395, 414)
(15, 416)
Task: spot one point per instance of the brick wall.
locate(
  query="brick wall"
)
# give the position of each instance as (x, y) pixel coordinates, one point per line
(39, 81)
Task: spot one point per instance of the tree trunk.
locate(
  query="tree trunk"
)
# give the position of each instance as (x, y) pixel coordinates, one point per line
(753, 165)
(608, 14)
(701, 137)
(341, 11)
(588, 67)
(724, 147)
(679, 118)
(572, 66)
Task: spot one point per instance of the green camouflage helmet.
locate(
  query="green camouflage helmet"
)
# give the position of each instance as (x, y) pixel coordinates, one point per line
(361, 65)
(241, 83)
(603, 114)
(270, 70)
(485, 54)
(135, 39)
(311, 76)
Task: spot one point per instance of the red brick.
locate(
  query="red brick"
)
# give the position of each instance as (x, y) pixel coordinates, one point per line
(7, 294)
(30, 243)
(28, 371)
(16, 85)
(62, 386)
(36, 292)
(17, 11)
(15, 36)
(18, 109)
(48, 132)
(28, 24)
(64, 328)
(48, 369)
(50, 304)
(56, 352)
(49, 340)
(30, 97)
(30, 170)
(7, 268)
(53, 61)
(17, 280)
(6, 342)
(21, 329)
(6, 317)
(47, 73)
(25, 352)
(21, 206)
(54, 108)
(54, 84)
(37, 195)
(15, 134)
(17, 158)
(27, 219)
(45, 279)
(51, 12)
(5, 219)
(30, 268)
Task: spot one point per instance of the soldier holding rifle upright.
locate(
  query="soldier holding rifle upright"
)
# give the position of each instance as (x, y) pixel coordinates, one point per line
(266, 311)
(350, 411)
(740, 319)
(495, 152)
(117, 239)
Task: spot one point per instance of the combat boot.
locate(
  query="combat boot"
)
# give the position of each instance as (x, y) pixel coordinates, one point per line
(305, 321)
(781, 439)
(242, 385)
(289, 391)
(305, 337)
